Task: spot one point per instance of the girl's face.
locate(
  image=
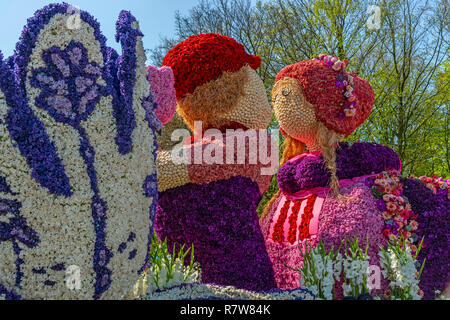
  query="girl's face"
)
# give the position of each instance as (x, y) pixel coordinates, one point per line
(295, 115)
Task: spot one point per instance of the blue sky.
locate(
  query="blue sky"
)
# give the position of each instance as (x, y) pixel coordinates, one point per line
(156, 17)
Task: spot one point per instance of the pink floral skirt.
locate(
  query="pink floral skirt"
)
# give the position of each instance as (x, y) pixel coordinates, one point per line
(317, 216)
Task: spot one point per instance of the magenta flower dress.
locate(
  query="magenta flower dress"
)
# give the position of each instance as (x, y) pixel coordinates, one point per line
(305, 212)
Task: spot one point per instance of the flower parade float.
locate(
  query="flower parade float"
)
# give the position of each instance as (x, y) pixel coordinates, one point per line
(78, 183)
(212, 205)
(337, 189)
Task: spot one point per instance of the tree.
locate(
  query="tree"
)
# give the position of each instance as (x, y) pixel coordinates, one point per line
(409, 103)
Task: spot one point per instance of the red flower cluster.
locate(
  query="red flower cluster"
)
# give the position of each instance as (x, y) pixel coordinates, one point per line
(318, 82)
(277, 235)
(293, 221)
(306, 218)
(203, 58)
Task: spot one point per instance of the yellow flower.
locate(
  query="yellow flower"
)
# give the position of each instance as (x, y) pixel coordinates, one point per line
(392, 238)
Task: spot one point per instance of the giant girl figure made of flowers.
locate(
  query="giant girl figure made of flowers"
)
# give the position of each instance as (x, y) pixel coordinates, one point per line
(78, 183)
(337, 188)
(212, 205)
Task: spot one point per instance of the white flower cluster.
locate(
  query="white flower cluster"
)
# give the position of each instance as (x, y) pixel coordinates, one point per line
(205, 291)
(166, 270)
(320, 270)
(170, 274)
(355, 265)
(355, 271)
(399, 266)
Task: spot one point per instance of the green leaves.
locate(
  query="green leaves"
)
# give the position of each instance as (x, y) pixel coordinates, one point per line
(167, 268)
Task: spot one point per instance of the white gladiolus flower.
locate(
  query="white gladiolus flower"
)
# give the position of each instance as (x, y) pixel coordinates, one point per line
(399, 266)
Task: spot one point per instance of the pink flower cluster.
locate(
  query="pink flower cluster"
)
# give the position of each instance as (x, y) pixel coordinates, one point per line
(344, 81)
(162, 85)
(399, 219)
(434, 184)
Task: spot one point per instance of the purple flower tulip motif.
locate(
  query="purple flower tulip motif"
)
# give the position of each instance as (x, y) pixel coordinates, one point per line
(69, 84)
(78, 158)
(69, 91)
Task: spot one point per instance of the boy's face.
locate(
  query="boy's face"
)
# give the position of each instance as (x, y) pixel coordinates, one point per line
(252, 109)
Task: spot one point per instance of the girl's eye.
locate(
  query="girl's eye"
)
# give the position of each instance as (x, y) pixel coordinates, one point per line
(286, 92)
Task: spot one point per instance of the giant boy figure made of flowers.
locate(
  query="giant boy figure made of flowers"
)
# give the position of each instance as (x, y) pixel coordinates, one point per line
(213, 205)
(77, 147)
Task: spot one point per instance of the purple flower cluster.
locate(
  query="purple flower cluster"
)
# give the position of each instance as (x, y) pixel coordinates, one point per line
(352, 160)
(220, 220)
(434, 224)
(150, 189)
(126, 35)
(150, 105)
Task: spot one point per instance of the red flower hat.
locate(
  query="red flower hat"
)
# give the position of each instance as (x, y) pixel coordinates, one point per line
(203, 58)
(319, 84)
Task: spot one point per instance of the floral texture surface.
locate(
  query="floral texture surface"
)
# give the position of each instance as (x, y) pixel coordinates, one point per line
(353, 160)
(357, 216)
(199, 291)
(223, 227)
(78, 184)
(338, 217)
(162, 85)
(433, 220)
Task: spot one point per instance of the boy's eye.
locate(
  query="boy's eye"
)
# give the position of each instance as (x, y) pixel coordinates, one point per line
(274, 99)
(286, 92)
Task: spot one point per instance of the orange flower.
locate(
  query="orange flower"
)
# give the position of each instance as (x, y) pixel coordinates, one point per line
(420, 293)
(414, 225)
(391, 206)
(386, 215)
